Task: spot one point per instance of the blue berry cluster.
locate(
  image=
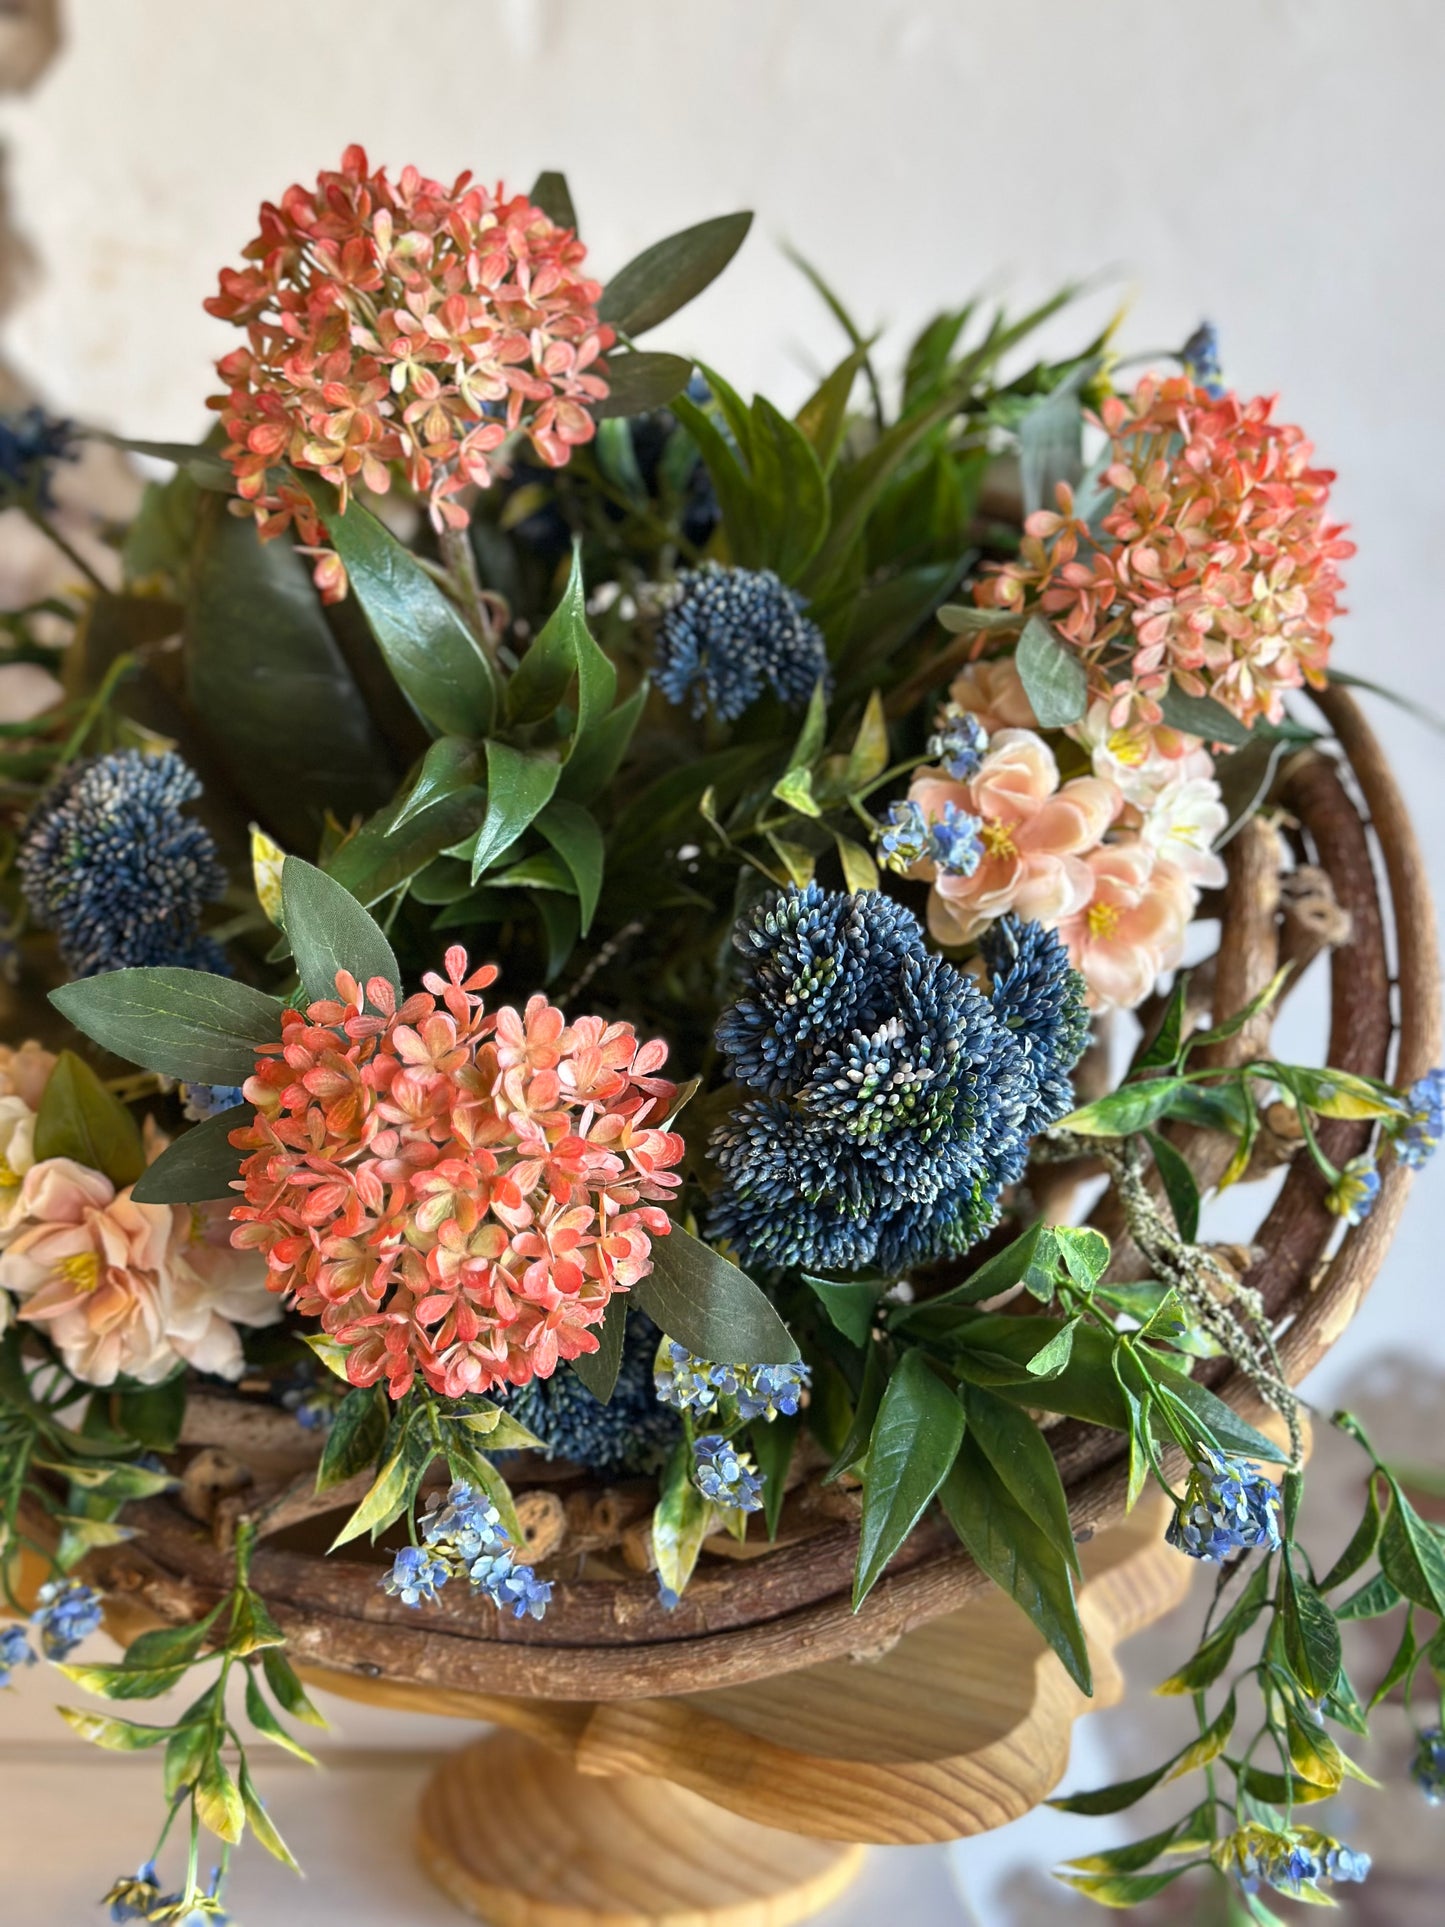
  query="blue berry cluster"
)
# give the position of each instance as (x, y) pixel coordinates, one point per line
(725, 1475)
(68, 1613)
(1419, 1137)
(730, 634)
(1427, 1768)
(31, 443)
(691, 1384)
(631, 1433)
(111, 863)
(1228, 1506)
(895, 1096)
(462, 1536)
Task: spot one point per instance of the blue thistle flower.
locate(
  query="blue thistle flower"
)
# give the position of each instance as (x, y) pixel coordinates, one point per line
(68, 1613)
(1353, 1193)
(1420, 1135)
(111, 863)
(900, 1095)
(1228, 1506)
(15, 1652)
(725, 1475)
(631, 1433)
(1200, 355)
(959, 743)
(1427, 1769)
(31, 443)
(731, 633)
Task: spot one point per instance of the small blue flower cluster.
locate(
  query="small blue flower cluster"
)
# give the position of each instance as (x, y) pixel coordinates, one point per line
(68, 1613)
(725, 1475)
(1200, 355)
(139, 1897)
(1420, 1136)
(691, 1384)
(959, 743)
(14, 1652)
(951, 840)
(463, 1535)
(1353, 1193)
(631, 1433)
(731, 633)
(1228, 1506)
(1295, 1862)
(31, 443)
(896, 1096)
(112, 864)
(201, 1101)
(1427, 1769)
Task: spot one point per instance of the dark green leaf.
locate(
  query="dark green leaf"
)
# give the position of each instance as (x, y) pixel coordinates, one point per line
(262, 1825)
(599, 747)
(1133, 1107)
(1115, 1798)
(1375, 1598)
(1053, 1356)
(564, 648)
(290, 1694)
(1230, 1432)
(1051, 440)
(1031, 1260)
(914, 1443)
(824, 415)
(441, 668)
(773, 1442)
(1180, 1186)
(1019, 1454)
(168, 1646)
(355, 1437)
(851, 1305)
(730, 480)
(267, 1724)
(1411, 1556)
(200, 1164)
(1363, 1541)
(152, 1414)
(1311, 1637)
(184, 1023)
(451, 764)
(669, 274)
(641, 381)
(551, 193)
(80, 1119)
(185, 1755)
(1018, 1556)
(380, 858)
(854, 1447)
(791, 493)
(573, 833)
(1052, 675)
(329, 931)
(1163, 1051)
(519, 787)
(598, 1370)
(561, 923)
(1401, 1669)
(697, 1297)
(1204, 717)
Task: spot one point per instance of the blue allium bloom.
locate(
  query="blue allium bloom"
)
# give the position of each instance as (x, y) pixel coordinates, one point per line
(687, 1383)
(14, 1652)
(1419, 1138)
(631, 1433)
(31, 443)
(904, 839)
(954, 841)
(1200, 355)
(898, 1097)
(730, 634)
(1427, 1769)
(111, 863)
(1228, 1506)
(1353, 1193)
(463, 1535)
(68, 1613)
(725, 1475)
(201, 1101)
(959, 743)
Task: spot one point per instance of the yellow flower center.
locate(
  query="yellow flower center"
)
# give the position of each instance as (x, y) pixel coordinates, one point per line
(998, 839)
(8, 1176)
(82, 1268)
(1125, 748)
(1103, 919)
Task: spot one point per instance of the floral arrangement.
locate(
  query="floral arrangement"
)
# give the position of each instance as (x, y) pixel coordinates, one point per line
(856, 768)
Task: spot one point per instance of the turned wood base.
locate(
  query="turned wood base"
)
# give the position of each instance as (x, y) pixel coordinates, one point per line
(518, 1837)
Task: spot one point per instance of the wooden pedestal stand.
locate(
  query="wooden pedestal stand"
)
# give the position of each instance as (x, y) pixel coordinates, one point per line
(666, 1811)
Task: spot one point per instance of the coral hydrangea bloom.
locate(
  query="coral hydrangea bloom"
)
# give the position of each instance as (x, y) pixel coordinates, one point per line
(1219, 568)
(404, 323)
(1035, 833)
(450, 1192)
(1131, 928)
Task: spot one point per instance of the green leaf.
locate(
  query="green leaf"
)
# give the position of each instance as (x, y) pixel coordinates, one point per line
(262, 1824)
(437, 662)
(200, 1164)
(1411, 1556)
(914, 1443)
(1229, 1431)
(252, 1628)
(792, 495)
(1311, 1637)
(80, 1119)
(1179, 1184)
(329, 931)
(1051, 439)
(730, 480)
(1133, 1107)
(551, 193)
(1031, 1260)
(1163, 1051)
(267, 1724)
(1235, 1023)
(851, 1305)
(269, 682)
(1006, 1543)
(860, 872)
(599, 747)
(1363, 1541)
(1052, 675)
(169, 1645)
(384, 1501)
(290, 1694)
(773, 1442)
(823, 417)
(1114, 1798)
(381, 858)
(565, 648)
(1331, 1093)
(1085, 1253)
(184, 1023)
(519, 787)
(1375, 1598)
(125, 1682)
(355, 1438)
(681, 1520)
(641, 381)
(598, 1370)
(573, 833)
(152, 1414)
(1401, 1667)
(1053, 1357)
(1019, 1454)
(854, 1448)
(1121, 1889)
(703, 1301)
(1204, 717)
(479, 1469)
(1140, 1852)
(669, 274)
(185, 1755)
(451, 764)
(117, 1736)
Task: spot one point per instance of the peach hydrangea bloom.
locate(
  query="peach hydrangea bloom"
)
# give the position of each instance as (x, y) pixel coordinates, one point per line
(118, 1286)
(994, 692)
(1035, 833)
(450, 1192)
(1131, 928)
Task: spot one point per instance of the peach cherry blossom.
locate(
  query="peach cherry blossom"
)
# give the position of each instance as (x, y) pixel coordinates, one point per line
(450, 1192)
(994, 692)
(1132, 926)
(1035, 834)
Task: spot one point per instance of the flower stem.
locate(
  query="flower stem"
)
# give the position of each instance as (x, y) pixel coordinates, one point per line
(72, 555)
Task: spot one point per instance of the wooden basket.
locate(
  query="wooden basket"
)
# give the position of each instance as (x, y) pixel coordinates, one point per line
(746, 1619)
